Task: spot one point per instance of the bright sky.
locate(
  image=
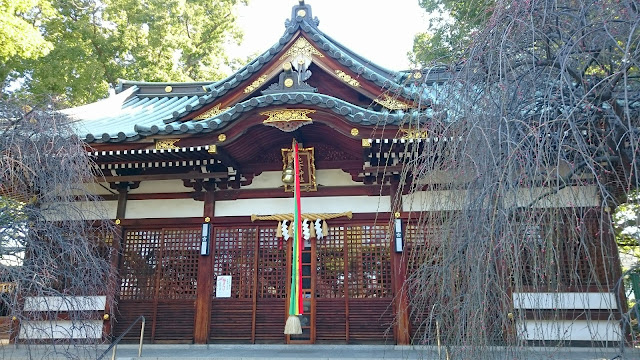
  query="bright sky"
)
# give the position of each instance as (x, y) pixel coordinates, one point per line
(381, 31)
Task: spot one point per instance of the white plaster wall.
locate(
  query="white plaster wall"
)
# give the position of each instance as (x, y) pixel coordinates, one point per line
(444, 200)
(164, 208)
(571, 196)
(68, 303)
(551, 301)
(81, 210)
(328, 177)
(593, 330)
(441, 200)
(329, 204)
(161, 186)
(60, 329)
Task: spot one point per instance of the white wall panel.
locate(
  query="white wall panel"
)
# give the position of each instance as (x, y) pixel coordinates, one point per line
(550, 301)
(67, 303)
(164, 208)
(328, 177)
(329, 204)
(161, 186)
(81, 210)
(579, 330)
(60, 329)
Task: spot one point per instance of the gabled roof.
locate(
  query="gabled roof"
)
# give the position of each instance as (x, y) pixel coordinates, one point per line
(141, 109)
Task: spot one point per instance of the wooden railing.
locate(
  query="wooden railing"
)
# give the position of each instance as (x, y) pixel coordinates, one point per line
(114, 344)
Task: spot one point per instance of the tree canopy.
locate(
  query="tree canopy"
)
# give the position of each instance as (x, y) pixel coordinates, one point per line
(75, 50)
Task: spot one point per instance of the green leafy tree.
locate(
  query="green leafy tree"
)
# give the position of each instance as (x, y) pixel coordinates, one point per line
(451, 27)
(20, 36)
(95, 43)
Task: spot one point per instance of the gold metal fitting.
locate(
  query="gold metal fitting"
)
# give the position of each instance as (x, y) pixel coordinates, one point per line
(510, 316)
(286, 66)
(207, 219)
(397, 214)
(117, 221)
(105, 317)
(301, 13)
(366, 143)
(288, 82)
(222, 137)
(355, 132)
(213, 149)
(168, 89)
(15, 318)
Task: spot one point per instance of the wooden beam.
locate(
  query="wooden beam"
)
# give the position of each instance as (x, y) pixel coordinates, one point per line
(150, 177)
(205, 280)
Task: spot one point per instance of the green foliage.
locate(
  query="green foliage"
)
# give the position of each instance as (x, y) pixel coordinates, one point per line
(95, 43)
(451, 26)
(627, 225)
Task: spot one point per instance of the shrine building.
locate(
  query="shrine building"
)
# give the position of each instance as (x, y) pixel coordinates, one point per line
(193, 178)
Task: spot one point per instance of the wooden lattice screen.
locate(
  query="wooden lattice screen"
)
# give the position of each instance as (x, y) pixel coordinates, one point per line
(159, 277)
(353, 284)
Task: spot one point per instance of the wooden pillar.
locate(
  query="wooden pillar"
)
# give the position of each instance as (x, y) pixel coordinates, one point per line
(205, 280)
(116, 258)
(399, 271)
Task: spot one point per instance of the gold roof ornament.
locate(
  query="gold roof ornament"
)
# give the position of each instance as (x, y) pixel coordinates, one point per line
(210, 113)
(256, 84)
(347, 78)
(301, 48)
(167, 144)
(392, 103)
(413, 134)
(288, 120)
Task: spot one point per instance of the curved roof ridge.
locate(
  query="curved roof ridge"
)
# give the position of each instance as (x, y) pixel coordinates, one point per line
(351, 112)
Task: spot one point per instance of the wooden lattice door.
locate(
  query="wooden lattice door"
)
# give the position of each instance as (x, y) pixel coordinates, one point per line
(158, 275)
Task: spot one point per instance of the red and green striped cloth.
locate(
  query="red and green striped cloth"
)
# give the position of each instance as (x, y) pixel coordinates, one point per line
(295, 299)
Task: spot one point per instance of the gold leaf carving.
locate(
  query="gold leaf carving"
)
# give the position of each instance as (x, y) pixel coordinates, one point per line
(256, 84)
(409, 134)
(347, 78)
(167, 144)
(391, 103)
(301, 47)
(288, 119)
(210, 113)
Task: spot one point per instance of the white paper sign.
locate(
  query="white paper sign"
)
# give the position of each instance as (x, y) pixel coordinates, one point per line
(223, 286)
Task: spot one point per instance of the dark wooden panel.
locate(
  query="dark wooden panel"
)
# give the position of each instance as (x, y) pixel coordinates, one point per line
(175, 320)
(331, 320)
(128, 311)
(231, 319)
(370, 319)
(5, 327)
(270, 320)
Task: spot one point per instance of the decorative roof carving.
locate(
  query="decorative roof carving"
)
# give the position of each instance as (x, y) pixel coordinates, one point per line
(301, 48)
(288, 120)
(256, 84)
(392, 103)
(166, 144)
(210, 113)
(347, 78)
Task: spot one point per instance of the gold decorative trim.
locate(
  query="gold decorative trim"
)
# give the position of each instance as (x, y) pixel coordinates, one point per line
(411, 134)
(310, 216)
(355, 132)
(301, 47)
(347, 78)
(222, 137)
(210, 113)
(366, 143)
(287, 119)
(301, 13)
(213, 149)
(256, 84)
(391, 103)
(288, 83)
(168, 89)
(167, 144)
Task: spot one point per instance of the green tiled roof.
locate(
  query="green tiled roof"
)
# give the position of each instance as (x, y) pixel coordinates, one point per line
(135, 112)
